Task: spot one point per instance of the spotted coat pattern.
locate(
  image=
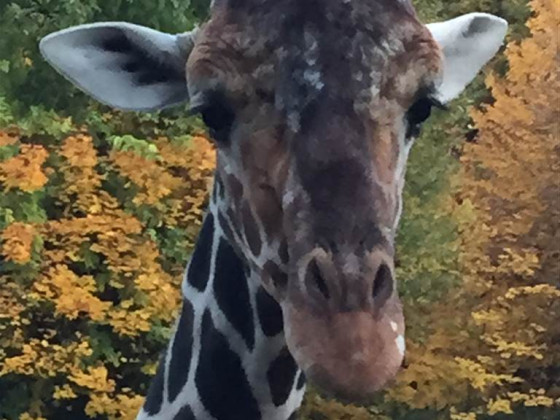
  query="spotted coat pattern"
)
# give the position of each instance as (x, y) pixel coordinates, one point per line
(227, 359)
(320, 91)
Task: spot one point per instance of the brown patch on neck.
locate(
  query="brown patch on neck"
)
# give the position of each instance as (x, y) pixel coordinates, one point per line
(385, 150)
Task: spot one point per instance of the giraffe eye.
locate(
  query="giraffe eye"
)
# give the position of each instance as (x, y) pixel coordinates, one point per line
(419, 112)
(217, 116)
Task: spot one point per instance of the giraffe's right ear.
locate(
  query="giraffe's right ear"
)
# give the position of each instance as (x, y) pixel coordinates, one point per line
(126, 66)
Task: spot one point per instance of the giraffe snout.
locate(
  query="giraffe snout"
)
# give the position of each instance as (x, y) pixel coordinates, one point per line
(344, 322)
(349, 355)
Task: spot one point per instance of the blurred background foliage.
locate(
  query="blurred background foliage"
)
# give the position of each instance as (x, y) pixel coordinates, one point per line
(99, 211)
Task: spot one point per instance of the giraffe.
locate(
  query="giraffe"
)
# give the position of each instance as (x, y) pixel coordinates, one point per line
(313, 106)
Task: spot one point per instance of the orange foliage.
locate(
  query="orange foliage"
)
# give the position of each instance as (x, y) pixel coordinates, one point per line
(498, 359)
(73, 295)
(94, 262)
(17, 242)
(24, 171)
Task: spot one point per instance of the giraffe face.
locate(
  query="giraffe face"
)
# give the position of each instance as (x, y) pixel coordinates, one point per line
(313, 111)
(313, 106)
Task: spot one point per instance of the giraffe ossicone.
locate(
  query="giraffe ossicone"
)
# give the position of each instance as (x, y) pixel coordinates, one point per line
(313, 107)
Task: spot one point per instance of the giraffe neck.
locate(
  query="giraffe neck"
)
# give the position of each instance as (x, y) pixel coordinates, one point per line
(227, 358)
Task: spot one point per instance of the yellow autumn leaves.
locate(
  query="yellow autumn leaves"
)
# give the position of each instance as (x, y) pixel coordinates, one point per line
(494, 343)
(72, 295)
(86, 274)
(24, 170)
(17, 242)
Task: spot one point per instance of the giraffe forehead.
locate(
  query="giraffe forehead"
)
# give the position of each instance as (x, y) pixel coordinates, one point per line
(298, 50)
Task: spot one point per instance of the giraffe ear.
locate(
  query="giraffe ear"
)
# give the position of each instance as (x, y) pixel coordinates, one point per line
(126, 66)
(468, 42)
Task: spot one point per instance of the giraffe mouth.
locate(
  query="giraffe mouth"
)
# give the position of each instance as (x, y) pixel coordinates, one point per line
(347, 355)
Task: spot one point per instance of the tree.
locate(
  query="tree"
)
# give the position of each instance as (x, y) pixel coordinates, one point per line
(494, 345)
(93, 240)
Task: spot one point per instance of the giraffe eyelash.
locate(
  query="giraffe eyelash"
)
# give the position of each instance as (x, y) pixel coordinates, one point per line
(436, 103)
(217, 115)
(420, 111)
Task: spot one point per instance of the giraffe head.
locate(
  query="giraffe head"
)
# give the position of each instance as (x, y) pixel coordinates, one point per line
(313, 107)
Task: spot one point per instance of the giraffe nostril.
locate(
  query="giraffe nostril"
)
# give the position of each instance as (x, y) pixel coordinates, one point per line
(382, 284)
(314, 279)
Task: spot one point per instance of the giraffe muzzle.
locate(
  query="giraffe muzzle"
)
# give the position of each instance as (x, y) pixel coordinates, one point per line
(344, 322)
(347, 355)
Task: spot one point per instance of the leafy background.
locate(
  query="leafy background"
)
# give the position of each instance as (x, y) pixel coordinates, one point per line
(99, 211)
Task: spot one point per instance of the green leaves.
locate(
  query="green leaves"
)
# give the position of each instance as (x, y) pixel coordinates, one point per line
(42, 121)
(28, 80)
(4, 66)
(141, 147)
(6, 116)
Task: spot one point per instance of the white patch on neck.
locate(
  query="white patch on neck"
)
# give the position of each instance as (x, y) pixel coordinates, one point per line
(404, 151)
(399, 341)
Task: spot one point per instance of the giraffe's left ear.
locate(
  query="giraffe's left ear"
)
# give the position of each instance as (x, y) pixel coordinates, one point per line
(468, 42)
